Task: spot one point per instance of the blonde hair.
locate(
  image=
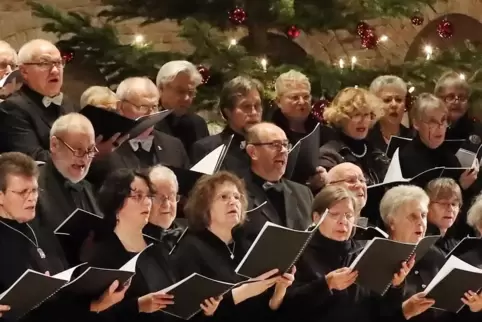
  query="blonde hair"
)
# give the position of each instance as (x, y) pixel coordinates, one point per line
(388, 80)
(99, 96)
(286, 80)
(353, 100)
(330, 195)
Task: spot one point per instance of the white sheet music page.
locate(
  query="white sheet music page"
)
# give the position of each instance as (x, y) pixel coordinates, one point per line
(394, 172)
(208, 164)
(130, 266)
(67, 274)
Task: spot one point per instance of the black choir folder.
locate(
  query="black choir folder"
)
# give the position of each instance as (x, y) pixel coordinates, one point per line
(190, 292)
(449, 285)
(79, 222)
(107, 123)
(466, 246)
(363, 230)
(307, 158)
(382, 258)
(276, 247)
(209, 165)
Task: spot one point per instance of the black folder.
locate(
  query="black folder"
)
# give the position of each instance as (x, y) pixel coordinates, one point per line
(368, 233)
(107, 123)
(451, 282)
(293, 156)
(396, 142)
(467, 246)
(188, 177)
(191, 292)
(381, 258)
(308, 156)
(13, 76)
(80, 222)
(29, 291)
(275, 247)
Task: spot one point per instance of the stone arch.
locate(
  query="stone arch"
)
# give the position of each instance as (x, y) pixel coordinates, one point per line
(464, 29)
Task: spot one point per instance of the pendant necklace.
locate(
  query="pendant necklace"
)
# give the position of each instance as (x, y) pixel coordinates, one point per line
(231, 252)
(39, 250)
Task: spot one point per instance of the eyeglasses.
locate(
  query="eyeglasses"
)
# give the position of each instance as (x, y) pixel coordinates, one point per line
(5, 64)
(338, 217)
(144, 108)
(140, 197)
(24, 194)
(455, 98)
(300, 97)
(91, 153)
(432, 124)
(445, 204)
(351, 180)
(48, 65)
(160, 199)
(275, 145)
(358, 117)
(190, 93)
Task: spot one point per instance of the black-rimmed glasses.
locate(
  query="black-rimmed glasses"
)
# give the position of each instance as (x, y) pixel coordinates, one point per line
(91, 153)
(276, 145)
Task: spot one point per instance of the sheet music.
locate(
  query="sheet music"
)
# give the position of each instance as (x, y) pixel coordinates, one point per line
(394, 172)
(67, 274)
(130, 266)
(256, 208)
(207, 165)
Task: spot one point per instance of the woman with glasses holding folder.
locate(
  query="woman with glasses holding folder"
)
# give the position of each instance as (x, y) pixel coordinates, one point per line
(214, 246)
(325, 288)
(125, 199)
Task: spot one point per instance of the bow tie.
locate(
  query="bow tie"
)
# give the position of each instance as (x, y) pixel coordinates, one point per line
(277, 186)
(171, 236)
(146, 143)
(74, 186)
(57, 100)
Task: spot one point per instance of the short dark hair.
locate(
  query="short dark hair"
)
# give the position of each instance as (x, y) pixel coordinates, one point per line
(236, 88)
(114, 191)
(202, 195)
(17, 164)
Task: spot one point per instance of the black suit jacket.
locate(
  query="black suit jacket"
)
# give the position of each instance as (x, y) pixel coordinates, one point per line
(298, 200)
(25, 123)
(168, 151)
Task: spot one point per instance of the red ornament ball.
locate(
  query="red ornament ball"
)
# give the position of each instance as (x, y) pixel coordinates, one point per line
(205, 73)
(318, 108)
(237, 15)
(445, 29)
(369, 40)
(417, 20)
(362, 28)
(293, 32)
(68, 56)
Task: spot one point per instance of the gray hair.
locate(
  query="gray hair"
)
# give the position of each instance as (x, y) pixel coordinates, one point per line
(95, 95)
(27, 51)
(160, 172)
(425, 104)
(134, 84)
(171, 69)
(72, 122)
(6, 47)
(451, 79)
(396, 197)
(474, 215)
(234, 89)
(388, 80)
(286, 80)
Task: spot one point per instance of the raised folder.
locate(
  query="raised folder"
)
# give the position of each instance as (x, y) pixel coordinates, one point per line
(210, 164)
(190, 292)
(382, 258)
(79, 222)
(107, 123)
(276, 247)
(307, 158)
(451, 282)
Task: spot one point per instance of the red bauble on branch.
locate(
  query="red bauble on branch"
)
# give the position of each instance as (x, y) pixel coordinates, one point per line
(417, 20)
(362, 28)
(293, 32)
(67, 56)
(445, 29)
(318, 108)
(237, 16)
(370, 39)
(205, 73)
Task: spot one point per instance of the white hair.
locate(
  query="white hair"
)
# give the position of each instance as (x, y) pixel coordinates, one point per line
(171, 69)
(6, 47)
(388, 80)
(425, 104)
(288, 79)
(72, 122)
(135, 84)
(451, 79)
(474, 215)
(27, 51)
(97, 95)
(398, 196)
(160, 172)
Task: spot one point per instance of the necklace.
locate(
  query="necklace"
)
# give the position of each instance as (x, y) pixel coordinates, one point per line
(39, 250)
(360, 155)
(231, 251)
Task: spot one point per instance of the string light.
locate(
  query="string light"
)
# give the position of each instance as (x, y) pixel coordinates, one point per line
(462, 76)
(411, 89)
(428, 51)
(233, 42)
(353, 62)
(383, 38)
(341, 63)
(264, 63)
(138, 39)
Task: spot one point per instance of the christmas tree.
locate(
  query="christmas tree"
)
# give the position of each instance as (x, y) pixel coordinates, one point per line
(96, 41)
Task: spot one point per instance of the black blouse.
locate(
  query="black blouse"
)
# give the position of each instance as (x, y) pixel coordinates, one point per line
(375, 136)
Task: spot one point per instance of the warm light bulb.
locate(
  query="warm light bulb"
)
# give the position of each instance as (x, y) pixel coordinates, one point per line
(264, 63)
(462, 76)
(383, 38)
(341, 63)
(233, 42)
(139, 39)
(411, 89)
(428, 49)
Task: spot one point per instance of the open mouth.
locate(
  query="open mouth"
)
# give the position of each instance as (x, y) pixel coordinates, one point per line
(54, 80)
(393, 114)
(145, 213)
(419, 233)
(280, 162)
(79, 167)
(361, 129)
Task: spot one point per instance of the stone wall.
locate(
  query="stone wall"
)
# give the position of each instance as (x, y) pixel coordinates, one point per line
(17, 26)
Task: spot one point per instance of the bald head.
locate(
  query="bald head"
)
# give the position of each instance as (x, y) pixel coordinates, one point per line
(73, 123)
(262, 131)
(350, 176)
(138, 96)
(35, 48)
